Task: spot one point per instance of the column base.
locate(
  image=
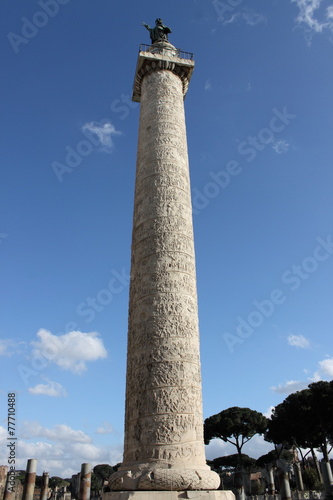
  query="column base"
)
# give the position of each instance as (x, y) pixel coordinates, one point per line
(148, 478)
(169, 495)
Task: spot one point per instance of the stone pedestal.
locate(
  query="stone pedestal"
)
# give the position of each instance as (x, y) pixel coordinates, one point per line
(169, 495)
(164, 447)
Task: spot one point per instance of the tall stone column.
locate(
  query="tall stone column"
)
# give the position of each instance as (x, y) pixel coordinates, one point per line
(45, 486)
(30, 479)
(74, 486)
(270, 476)
(327, 478)
(85, 482)
(3, 479)
(164, 447)
(9, 492)
(283, 474)
(78, 482)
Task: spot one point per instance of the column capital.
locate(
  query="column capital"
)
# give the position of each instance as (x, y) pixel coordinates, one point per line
(162, 56)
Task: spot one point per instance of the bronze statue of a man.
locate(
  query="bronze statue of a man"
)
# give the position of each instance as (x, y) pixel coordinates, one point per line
(159, 33)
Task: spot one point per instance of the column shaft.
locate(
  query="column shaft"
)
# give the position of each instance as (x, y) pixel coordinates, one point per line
(85, 482)
(45, 486)
(30, 479)
(164, 448)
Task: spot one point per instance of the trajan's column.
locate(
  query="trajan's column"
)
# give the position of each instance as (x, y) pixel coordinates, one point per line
(164, 448)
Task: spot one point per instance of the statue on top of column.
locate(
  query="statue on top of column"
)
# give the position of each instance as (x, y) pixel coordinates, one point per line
(159, 33)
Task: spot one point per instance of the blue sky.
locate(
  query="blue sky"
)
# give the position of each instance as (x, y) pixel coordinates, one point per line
(259, 125)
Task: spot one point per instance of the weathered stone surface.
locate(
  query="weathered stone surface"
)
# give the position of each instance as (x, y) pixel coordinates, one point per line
(168, 495)
(164, 448)
(85, 482)
(30, 479)
(163, 56)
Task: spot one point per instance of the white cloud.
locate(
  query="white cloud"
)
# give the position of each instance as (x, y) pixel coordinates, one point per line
(280, 146)
(324, 372)
(88, 451)
(256, 447)
(306, 14)
(39, 449)
(59, 432)
(326, 367)
(208, 85)
(252, 18)
(218, 448)
(3, 347)
(3, 435)
(9, 347)
(103, 132)
(268, 412)
(70, 351)
(290, 387)
(105, 428)
(232, 19)
(62, 456)
(329, 12)
(50, 389)
(298, 341)
(311, 19)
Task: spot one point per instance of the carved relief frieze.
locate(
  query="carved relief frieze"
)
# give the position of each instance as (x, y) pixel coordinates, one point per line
(163, 423)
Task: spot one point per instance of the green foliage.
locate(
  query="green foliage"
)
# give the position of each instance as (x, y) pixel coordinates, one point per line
(272, 456)
(257, 488)
(235, 425)
(39, 481)
(95, 482)
(231, 462)
(266, 459)
(55, 481)
(20, 475)
(101, 473)
(304, 418)
(311, 481)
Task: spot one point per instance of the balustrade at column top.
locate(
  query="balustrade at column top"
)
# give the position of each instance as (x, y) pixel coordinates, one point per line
(162, 56)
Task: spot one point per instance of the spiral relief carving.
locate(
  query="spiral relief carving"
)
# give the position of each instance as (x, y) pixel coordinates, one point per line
(164, 447)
